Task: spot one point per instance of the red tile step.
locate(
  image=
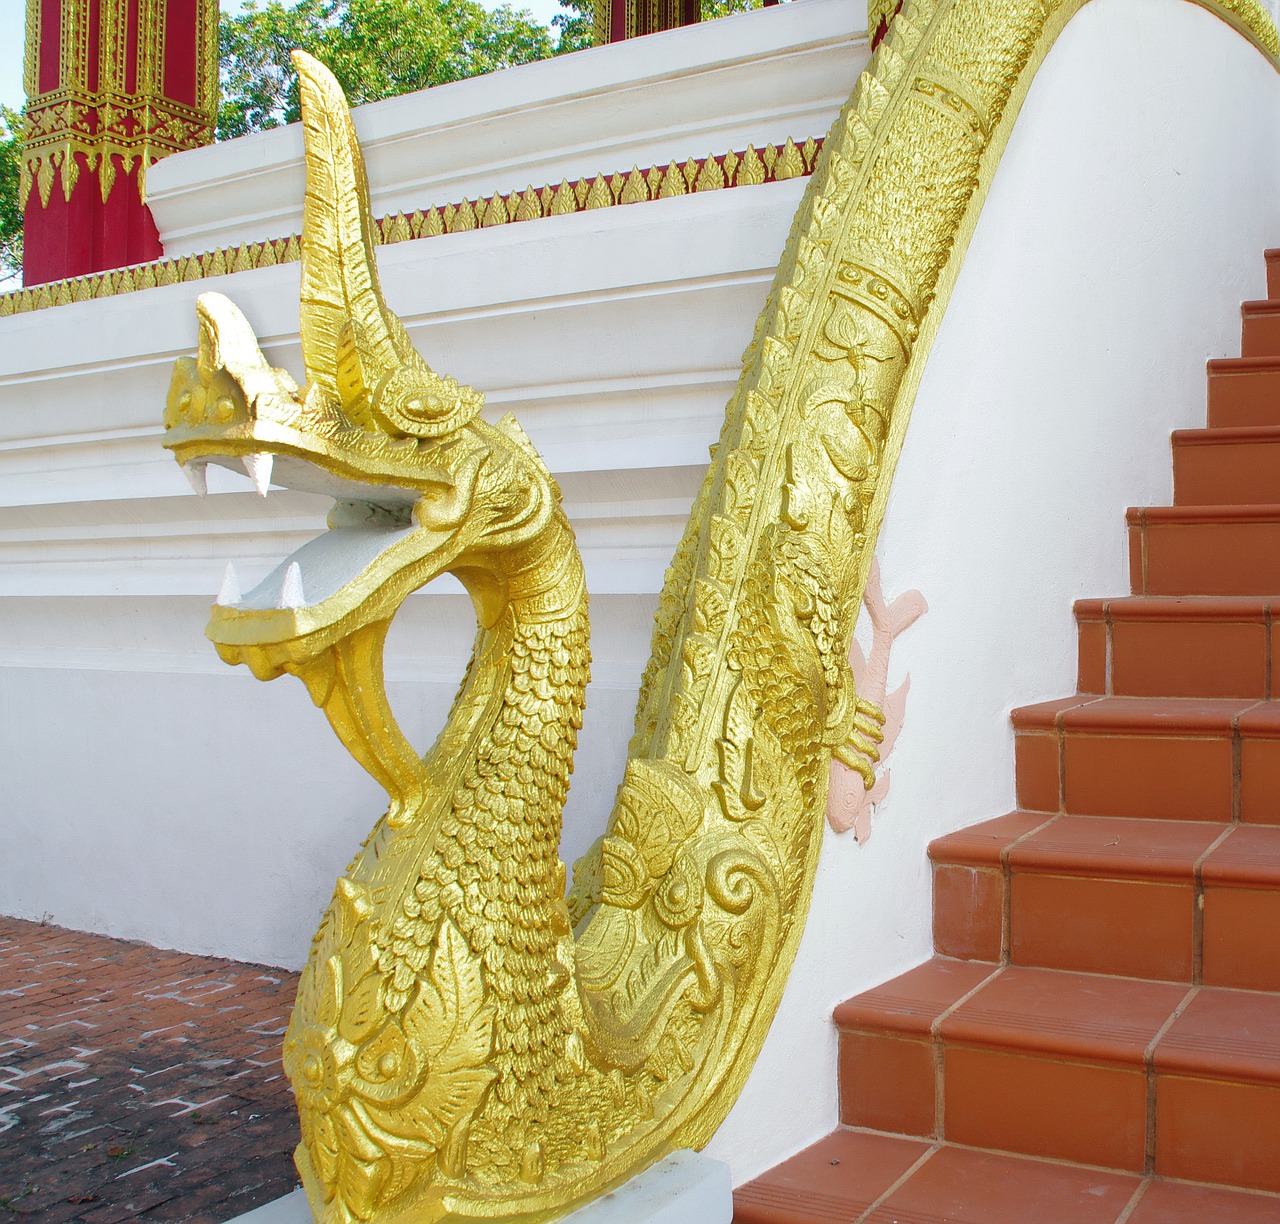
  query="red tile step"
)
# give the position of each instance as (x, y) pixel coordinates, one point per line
(1142, 898)
(971, 888)
(1240, 883)
(1219, 467)
(1204, 550)
(1159, 758)
(1175, 646)
(1093, 894)
(861, 1177)
(1120, 1073)
(1244, 391)
(1217, 1091)
(1260, 328)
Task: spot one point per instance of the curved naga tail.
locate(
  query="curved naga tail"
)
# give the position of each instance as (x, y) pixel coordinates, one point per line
(468, 1042)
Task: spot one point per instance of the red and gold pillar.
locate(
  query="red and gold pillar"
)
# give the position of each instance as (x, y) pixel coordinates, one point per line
(619, 19)
(112, 86)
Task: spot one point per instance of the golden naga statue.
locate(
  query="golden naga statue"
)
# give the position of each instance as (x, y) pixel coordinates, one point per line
(469, 1042)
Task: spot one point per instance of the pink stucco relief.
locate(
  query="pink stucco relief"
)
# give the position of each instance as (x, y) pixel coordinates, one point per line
(850, 805)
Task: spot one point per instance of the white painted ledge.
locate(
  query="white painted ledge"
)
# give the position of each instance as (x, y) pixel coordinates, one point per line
(685, 1188)
(654, 302)
(754, 77)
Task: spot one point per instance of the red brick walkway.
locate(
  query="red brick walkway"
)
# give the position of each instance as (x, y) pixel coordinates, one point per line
(138, 1084)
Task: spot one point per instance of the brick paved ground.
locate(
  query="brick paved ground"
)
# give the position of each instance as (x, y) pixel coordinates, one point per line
(137, 1084)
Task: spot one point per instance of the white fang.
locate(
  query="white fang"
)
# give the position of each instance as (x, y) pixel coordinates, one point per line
(229, 595)
(196, 478)
(291, 595)
(259, 470)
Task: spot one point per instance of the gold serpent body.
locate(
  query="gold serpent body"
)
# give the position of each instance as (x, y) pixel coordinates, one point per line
(468, 1043)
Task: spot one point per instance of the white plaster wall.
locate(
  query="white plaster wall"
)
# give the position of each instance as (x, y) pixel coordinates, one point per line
(149, 791)
(1126, 224)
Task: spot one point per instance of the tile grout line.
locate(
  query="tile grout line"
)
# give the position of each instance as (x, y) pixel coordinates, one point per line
(906, 1177)
(1197, 912)
(1142, 540)
(1143, 1186)
(939, 1079)
(1060, 740)
(1109, 653)
(1237, 762)
(1149, 1067)
(1266, 650)
(1006, 900)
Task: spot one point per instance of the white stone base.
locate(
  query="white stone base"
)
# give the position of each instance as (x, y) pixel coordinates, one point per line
(292, 1209)
(686, 1188)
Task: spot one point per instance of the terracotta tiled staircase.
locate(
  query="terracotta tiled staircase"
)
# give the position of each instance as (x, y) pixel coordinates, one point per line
(1097, 1039)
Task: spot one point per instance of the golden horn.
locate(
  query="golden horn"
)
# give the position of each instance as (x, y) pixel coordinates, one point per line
(354, 346)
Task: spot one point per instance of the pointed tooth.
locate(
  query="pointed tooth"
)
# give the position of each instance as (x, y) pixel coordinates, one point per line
(259, 470)
(229, 595)
(291, 595)
(195, 474)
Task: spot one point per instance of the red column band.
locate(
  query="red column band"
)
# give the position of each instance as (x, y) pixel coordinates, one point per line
(113, 86)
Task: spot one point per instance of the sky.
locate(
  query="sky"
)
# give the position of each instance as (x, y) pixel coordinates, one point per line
(13, 15)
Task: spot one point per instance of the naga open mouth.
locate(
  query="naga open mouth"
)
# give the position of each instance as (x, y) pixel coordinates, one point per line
(230, 408)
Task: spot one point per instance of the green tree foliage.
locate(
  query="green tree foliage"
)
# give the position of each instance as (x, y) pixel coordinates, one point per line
(722, 8)
(376, 49)
(10, 203)
(574, 26)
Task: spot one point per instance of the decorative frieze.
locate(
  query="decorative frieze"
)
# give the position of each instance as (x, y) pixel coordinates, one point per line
(749, 167)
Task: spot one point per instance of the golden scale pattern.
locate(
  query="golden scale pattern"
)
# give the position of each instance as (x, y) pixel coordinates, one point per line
(749, 167)
(468, 1042)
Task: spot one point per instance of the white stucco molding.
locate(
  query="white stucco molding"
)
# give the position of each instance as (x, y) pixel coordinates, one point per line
(654, 301)
(751, 78)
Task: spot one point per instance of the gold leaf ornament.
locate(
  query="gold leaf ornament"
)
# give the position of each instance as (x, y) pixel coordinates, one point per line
(379, 1094)
(457, 1052)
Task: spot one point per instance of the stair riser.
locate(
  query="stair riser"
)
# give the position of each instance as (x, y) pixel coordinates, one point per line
(1129, 928)
(1168, 658)
(1096, 1115)
(1091, 924)
(1248, 397)
(1222, 558)
(1211, 1131)
(1169, 779)
(1226, 473)
(888, 1083)
(1012, 1100)
(968, 912)
(1091, 656)
(1150, 776)
(1241, 949)
(995, 1099)
(1147, 777)
(1260, 334)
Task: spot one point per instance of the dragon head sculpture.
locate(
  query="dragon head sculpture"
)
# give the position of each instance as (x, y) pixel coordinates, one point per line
(469, 1042)
(422, 484)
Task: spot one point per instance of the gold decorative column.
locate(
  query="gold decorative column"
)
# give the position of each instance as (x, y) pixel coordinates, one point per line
(112, 86)
(619, 19)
